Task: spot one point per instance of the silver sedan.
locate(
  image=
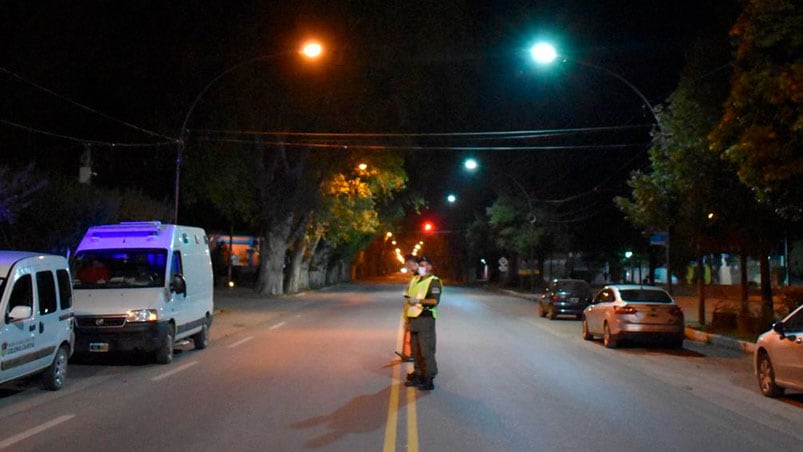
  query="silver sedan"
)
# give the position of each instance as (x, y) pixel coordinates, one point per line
(622, 311)
(779, 356)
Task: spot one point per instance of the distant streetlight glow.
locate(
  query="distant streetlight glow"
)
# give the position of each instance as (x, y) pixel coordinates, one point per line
(471, 164)
(312, 49)
(543, 52)
(451, 198)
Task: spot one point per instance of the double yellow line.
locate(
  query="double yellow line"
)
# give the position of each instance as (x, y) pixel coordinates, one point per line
(393, 406)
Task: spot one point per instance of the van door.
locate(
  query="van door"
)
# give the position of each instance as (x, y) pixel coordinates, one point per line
(18, 335)
(178, 302)
(48, 325)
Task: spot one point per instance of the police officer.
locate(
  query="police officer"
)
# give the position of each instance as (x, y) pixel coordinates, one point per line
(411, 263)
(422, 312)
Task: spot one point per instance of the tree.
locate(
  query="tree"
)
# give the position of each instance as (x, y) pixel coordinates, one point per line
(761, 130)
(17, 189)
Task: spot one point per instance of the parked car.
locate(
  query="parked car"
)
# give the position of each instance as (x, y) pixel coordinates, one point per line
(625, 311)
(37, 322)
(564, 297)
(779, 356)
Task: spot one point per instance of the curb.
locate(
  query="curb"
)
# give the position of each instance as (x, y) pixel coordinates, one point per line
(720, 341)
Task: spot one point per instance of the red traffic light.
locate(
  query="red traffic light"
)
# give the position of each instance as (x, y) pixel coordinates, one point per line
(428, 226)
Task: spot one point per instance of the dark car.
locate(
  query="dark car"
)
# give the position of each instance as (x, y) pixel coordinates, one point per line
(564, 297)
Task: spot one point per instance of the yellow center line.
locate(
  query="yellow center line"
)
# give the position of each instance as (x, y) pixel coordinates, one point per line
(391, 427)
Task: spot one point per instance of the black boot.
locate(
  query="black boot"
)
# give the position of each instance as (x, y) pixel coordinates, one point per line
(426, 384)
(412, 380)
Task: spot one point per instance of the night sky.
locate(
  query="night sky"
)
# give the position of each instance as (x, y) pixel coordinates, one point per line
(391, 67)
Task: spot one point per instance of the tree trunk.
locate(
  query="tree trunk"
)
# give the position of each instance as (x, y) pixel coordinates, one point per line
(294, 268)
(272, 251)
(745, 320)
(700, 289)
(767, 308)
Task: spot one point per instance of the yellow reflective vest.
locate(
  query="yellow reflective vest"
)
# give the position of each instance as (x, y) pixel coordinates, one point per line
(418, 290)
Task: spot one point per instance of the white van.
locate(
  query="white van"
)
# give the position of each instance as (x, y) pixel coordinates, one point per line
(37, 325)
(142, 286)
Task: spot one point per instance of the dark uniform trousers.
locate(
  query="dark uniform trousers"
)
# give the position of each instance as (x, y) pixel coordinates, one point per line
(422, 340)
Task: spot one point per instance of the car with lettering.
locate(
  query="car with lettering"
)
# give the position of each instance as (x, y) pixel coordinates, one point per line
(36, 334)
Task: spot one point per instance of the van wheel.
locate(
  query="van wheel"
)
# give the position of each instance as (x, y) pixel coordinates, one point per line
(55, 374)
(201, 338)
(165, 353)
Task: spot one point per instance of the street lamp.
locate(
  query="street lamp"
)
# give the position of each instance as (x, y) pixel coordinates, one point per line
(545, 53)
(310, 50)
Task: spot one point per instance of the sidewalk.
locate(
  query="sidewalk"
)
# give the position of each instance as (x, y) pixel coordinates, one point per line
(689, 305)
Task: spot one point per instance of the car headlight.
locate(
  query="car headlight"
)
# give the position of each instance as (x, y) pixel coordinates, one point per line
(141, 315)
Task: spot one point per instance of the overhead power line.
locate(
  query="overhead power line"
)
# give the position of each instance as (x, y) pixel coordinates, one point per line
(83, 140)
(84, 107)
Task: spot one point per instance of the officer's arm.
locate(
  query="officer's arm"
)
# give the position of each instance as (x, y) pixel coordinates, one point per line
(433, 295)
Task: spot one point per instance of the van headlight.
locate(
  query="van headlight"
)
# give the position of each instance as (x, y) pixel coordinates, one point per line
(141, 315)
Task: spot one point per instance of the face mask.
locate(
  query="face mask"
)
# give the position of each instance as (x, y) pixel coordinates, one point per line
(422, 271)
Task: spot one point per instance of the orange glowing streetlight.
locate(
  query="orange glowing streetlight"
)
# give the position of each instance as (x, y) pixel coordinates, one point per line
(312, 49)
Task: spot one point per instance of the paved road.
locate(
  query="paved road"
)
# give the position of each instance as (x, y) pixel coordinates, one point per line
(317, 372)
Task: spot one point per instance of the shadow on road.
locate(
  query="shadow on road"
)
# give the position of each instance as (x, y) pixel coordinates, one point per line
(362, 414)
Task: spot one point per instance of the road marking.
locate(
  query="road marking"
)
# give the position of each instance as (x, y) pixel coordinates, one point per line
(412, 421)
(276, 326)
(174, 371)
(393, 398)
(36, 430)
(393, 405)
(241, 342)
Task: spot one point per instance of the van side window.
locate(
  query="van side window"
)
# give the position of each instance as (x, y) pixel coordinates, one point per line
(176, 267)
(65, 289)
(22, 294)
(46, 288)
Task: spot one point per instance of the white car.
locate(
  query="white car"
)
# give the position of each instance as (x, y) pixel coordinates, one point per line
(779, 356)
(36, 328)
(624, 311)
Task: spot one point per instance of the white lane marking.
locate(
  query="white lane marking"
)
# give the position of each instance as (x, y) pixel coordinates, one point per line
(277, 325)
(241, 342)
(31, 432)
(174, 371)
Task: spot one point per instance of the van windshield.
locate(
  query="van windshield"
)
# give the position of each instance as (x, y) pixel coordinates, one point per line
(119, 268)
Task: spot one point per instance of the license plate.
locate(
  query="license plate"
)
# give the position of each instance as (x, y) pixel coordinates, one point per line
(574, 299)
(98, 347)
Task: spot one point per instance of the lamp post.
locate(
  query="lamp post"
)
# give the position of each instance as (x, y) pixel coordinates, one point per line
(310, 50)
(545, 53)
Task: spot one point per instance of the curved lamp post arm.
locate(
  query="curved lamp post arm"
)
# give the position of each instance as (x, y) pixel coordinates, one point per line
(181, 142)
(626, 82)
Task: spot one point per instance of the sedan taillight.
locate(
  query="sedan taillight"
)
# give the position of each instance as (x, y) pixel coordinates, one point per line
(626, 309)
(676, 311)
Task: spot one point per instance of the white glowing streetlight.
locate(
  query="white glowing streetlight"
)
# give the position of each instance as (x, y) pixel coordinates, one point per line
(543, 52)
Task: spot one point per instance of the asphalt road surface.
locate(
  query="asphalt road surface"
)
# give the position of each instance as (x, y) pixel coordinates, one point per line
(317, 372)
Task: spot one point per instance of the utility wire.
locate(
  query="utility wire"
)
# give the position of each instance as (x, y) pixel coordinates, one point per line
(380, 147)
(512, 134)
(84, 107)
(83, 140)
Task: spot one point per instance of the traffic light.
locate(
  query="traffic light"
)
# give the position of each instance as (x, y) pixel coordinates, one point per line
(428, 227)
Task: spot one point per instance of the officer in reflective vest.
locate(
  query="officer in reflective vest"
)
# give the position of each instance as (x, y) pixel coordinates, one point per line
(422, 312)
(411, 263)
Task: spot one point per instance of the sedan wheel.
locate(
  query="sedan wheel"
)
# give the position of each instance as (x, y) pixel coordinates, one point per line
(608, 339)
(586, 334)
(766, 377)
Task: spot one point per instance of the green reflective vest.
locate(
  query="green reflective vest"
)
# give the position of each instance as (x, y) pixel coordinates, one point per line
(419, 290)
